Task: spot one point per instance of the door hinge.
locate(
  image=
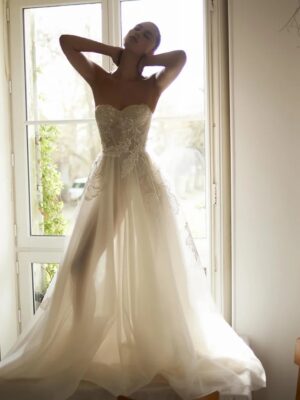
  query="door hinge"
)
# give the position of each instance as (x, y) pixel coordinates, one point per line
(10, 86)
(214, 194)
(17, 267)
(7, 14)
(15, 230)
(12, 159)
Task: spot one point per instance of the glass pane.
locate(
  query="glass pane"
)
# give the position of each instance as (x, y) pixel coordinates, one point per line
(177, 136)
(42, 275)
(60, 158)
(54, 89)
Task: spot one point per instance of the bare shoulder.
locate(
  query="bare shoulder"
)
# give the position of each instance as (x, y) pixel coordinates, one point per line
(152, 91)
(101, 73)
(101, 76)
(151, 83)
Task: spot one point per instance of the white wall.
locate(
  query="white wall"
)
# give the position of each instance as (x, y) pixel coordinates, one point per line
(265, 142)
(8, 292)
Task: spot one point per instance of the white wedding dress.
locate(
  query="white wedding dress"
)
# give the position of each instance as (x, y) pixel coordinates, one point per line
(129, 311)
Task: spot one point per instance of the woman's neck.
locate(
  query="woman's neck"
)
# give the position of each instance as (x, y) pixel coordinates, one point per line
(128, 68)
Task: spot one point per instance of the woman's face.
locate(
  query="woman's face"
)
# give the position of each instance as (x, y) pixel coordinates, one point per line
(142, 38)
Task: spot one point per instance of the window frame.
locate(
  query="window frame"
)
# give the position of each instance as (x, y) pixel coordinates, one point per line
(25, 259)
(218, 121)
(26, 241)
(38, 248)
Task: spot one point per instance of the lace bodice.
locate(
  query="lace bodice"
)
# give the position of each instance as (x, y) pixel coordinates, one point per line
(123, 132)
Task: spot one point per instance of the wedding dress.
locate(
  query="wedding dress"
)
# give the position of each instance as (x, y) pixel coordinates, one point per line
(129, 311)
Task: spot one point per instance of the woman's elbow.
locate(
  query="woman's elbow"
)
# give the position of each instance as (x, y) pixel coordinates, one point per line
(63, 38)
(182, 56)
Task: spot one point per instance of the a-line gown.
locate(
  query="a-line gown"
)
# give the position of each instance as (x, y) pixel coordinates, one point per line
(129, 311)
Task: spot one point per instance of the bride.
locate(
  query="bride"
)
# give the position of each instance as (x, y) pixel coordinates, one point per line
(126, 86)
(129, 312)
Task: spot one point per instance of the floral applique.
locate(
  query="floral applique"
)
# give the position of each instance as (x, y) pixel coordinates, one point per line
(95, 181)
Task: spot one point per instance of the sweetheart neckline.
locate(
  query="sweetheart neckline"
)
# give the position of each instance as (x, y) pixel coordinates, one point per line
(122, 109)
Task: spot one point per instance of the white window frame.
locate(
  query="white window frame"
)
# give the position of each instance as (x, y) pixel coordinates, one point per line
(26, 289)
(42, 248)
(26, 242)
(219, 144)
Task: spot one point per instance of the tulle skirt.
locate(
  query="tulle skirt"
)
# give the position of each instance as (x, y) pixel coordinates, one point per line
(129, 311)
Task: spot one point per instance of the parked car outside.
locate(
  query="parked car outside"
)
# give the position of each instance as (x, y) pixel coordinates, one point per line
(77, 188)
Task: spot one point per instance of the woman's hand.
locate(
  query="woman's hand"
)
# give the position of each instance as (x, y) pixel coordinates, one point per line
(144, 61)
(117, 54)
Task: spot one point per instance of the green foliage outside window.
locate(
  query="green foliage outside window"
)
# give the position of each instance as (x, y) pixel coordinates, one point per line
(54, 223)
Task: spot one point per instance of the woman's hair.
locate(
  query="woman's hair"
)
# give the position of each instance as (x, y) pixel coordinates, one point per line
(158, 36)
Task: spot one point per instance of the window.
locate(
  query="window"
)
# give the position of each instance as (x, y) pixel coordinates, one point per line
(55, 133)
(59, 133)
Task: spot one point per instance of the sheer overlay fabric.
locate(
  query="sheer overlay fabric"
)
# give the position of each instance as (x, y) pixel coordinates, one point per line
(129, 311)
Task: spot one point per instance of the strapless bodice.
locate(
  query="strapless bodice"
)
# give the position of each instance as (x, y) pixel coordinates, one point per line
(123, 131)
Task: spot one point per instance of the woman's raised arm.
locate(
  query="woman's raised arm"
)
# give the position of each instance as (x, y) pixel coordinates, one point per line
(173, 61)
(73, 45)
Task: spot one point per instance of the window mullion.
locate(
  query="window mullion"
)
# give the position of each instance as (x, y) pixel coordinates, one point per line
(113, 19)
(105, 32)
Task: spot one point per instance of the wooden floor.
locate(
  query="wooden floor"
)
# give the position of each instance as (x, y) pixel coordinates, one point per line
(212, 396)
(160, 379)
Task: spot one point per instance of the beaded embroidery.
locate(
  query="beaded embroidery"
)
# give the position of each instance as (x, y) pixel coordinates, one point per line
(123, 134)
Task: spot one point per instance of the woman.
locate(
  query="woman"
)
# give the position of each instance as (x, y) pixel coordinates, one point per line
(126, 85)
(129, 312)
